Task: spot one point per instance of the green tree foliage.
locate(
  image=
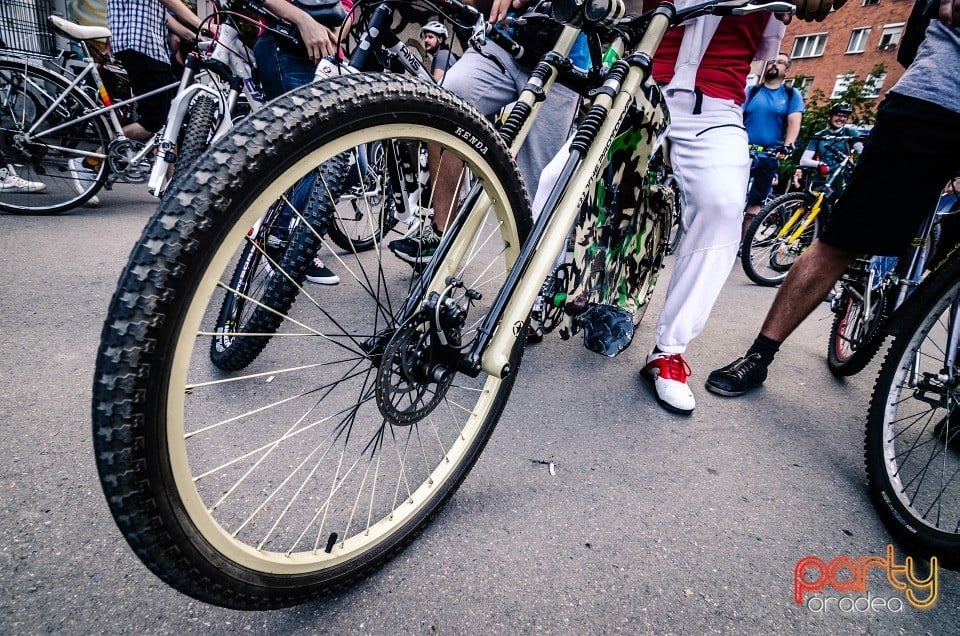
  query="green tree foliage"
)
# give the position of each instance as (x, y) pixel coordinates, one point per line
(817, 113)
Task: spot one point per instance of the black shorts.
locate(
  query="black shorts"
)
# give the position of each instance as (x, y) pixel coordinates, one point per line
(147, 74)
(909, 157)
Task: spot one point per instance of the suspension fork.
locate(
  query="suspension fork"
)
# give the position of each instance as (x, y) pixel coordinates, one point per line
(918, 260)
(492, 349)
(953, 343)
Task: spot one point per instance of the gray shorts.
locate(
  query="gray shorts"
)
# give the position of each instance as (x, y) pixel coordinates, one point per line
(480, 82)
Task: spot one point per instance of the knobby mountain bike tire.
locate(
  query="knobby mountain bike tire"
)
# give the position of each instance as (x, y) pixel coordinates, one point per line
(856, 333)
(765, 258)
(336, 446)
(302, 221)
(198, 129)
(41, 161)
(912, 447)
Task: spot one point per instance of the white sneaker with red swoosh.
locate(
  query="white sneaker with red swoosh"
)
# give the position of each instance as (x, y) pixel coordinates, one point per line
(669, 373)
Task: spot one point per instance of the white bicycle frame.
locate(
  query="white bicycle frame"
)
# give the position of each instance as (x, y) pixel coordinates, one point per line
(225, 49)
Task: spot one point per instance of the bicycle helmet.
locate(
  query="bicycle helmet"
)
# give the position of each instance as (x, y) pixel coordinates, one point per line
(436, 28)
(841, 108)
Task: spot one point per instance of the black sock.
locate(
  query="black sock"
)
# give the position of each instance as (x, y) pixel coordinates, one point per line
(435, 230)
(765, 347)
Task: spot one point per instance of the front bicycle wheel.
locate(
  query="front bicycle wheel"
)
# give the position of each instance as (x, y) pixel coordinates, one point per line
(856, 335)
(197, 131)
(912, 444)
(767, 251)
(42, 172)
(344, 437)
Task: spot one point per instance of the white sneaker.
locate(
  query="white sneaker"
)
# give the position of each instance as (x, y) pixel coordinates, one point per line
(82, 176)
(10, 182)
(669, 373)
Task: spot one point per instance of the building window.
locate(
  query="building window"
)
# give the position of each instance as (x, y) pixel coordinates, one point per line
(804, 84)
(858, 40)
(890, 36)
(872, 85)
(870, 3)
(809, 45)
(843, 81)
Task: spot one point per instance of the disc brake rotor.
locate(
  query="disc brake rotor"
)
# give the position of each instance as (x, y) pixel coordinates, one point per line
(413, 377)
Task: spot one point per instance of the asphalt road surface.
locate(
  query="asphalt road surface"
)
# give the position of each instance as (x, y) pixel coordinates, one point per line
(648, 523)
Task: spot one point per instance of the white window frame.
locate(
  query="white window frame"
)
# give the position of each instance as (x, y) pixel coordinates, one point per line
(804, 86)
(843, 81)
(858, 40)
(802, 50)
(873, 85)
(870, 3)
(890, 35)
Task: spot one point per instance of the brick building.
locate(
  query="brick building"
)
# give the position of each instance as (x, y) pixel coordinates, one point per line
(854, 39)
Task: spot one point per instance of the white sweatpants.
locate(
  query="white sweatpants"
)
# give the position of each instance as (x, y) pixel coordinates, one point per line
(711, 162)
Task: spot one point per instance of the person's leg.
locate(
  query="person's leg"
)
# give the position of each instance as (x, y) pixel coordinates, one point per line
(480, 82)
(282, 69)
(809, 280)
(147, 74)
(909, 156)
(763, 174)
(711, 163)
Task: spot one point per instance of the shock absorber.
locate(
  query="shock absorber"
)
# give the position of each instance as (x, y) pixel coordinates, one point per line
(590, 126)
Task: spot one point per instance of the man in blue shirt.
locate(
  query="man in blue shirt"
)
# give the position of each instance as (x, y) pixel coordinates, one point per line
(771, 115)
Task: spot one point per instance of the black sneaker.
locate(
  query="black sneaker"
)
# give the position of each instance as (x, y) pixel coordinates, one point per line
(416, 249)
(738, 377)
(321, 274)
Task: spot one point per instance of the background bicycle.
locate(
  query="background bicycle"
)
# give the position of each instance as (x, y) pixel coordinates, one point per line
(871, 290)
(787, 225)
(51, 122)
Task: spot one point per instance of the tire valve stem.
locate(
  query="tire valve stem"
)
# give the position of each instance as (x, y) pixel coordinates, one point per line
(330, 541)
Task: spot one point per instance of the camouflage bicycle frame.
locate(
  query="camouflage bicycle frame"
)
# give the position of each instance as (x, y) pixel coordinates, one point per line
(621, 237)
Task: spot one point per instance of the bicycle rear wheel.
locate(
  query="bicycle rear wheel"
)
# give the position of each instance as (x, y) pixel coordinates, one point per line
(336, 446)
(367, 212)
(767, 257)
(912, 447)
(36, 170)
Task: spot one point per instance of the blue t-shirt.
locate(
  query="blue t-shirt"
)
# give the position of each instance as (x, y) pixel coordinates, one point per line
(765, 113)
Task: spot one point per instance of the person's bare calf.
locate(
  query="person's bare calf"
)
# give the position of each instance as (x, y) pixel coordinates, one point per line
(446, 171)
(748, 217)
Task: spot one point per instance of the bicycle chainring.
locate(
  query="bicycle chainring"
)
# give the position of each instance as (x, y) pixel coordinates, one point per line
(120, 156)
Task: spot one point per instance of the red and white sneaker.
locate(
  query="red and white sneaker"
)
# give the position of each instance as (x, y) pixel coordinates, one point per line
(669, 373)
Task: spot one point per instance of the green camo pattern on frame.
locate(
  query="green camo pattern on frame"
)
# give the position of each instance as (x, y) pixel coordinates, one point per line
(620, 238)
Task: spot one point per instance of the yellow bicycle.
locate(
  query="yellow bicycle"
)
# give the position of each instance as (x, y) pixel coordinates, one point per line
(787, 225)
